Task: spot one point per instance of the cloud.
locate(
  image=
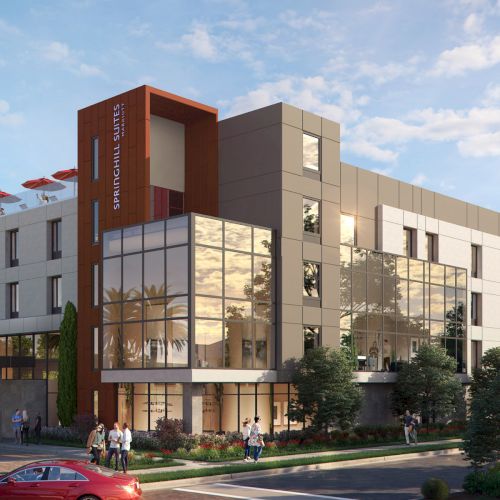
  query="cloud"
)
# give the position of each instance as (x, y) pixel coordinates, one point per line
(9, 29)
(491, 95)
(55, 51)
(139, 29)
(480, 146)
(419, 179)
(88, 70)
(471, 57)
(473, 24)
(385, 73)
(9, 119)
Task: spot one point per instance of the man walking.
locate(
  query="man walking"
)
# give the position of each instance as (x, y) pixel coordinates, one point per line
(38, 427)
(126, 440)
(408, 426)
(114, 437)
(17, 424)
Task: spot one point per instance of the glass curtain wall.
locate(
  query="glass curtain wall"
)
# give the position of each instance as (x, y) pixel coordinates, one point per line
(390, 305)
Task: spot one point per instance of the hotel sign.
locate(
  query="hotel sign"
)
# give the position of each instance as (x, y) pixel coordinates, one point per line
(119, 130)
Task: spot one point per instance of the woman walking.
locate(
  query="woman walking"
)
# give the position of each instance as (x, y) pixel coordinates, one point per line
(256, 439)
(246, 437)
(96, 444)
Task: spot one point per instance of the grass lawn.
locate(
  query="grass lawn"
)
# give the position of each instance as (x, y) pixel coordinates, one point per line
(155, 465)
(294, 462)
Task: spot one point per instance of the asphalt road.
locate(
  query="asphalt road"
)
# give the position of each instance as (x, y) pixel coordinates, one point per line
(389, 481)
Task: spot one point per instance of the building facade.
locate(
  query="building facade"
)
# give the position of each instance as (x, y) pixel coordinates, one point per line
(212, 252)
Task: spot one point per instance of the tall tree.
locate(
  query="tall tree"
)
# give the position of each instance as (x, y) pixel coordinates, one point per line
(428, 385)
(327, 395)
(66, 395)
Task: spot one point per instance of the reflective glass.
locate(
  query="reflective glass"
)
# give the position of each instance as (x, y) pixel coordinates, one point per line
(451, 310)
(155, 347)
(177, 307)
(437, 328)
(402, 297)
(132, 239)
(40, 346)
(154, 235)
(374, 360)
(389, 352)
(374, 322)
(208, 231)
(374, 297)
(437, 302)
(238, 309)
(345, 256)
(178, 343)
(416, 299)
(154, 308)
(132, 276)
(154, 274)
(345, 320)
(310, 152)
(112, 243)
(177, 270)
(263, 312)
(437, 274)
(358, 291)
(461, 278)
(359, 320)
(347, 229)
(345, 289)
(208, 266)
(238, 345)
(360, 350)
(263, 346)
(237, 237)
(310, 216)
(262, 241)
(262, 278)
(389, 295)
(311, 280)
(359, 260)
(177, 231)
(132, 310)
(389, 265)
(402, 267)
(450, 276)
(238, 275)
(403, 348)
(208, 339)
(157, 408)
(132, 345)
(53, 345)
(416, 270)
(112, 352)
(374, 262)
(112, 279)
(208, 307)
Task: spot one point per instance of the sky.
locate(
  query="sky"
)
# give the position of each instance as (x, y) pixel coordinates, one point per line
(414, 85)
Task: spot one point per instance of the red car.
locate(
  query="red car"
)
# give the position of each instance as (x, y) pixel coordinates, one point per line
(68, 479)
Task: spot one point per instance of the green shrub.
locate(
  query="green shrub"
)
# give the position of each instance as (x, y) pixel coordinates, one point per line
(491, 486)
(473, 482)
(485, 483)
(435, 489)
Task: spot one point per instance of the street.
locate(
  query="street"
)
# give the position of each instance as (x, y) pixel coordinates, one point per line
(387, 481)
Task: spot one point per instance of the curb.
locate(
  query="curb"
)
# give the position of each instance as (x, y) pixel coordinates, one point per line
(162, 485)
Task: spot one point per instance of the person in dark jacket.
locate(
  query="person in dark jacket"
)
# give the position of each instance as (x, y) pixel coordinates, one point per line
(38, 428)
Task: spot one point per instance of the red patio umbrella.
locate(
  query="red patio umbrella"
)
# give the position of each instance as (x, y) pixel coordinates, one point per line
(7, 198)
(70, 175)
(3, 194)
(43, 184)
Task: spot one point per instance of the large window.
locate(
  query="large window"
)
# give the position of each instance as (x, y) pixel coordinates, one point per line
(311, 217)
(347, 229)
(95, 285)
(95, 221)
(408, 242)
(475, 259)
(310, 152)
(56, 295)
(390, 305)
(311, 337)
(431, 247)
(95, 158)
(475, 308)
(13, 299)
(13, 246)
(311, 280)
(56, 239)
(476, 354)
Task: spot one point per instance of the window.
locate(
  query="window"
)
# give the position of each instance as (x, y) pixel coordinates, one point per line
(310, 152)
(95, 403)
(430, 247)
(408, 242)
(57, 473)
(311, 216)
(95, 158)
(475, 309)
(13, 248)
(14, 300)
(475, 257)
(95, 348)
(56, 294)
(95, 221)
(311, 337)
(95, 285)
(56, 242)
(347, 229)
(476, 354)
(311, 280)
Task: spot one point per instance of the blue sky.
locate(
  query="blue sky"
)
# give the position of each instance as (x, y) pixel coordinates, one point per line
(415, 85)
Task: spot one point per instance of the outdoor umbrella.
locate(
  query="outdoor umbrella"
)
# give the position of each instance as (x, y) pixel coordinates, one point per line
(43, 184)
(7, 198)
(68, 175)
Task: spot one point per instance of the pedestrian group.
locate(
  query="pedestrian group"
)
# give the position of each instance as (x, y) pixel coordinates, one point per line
(21, 427)
(253, 437)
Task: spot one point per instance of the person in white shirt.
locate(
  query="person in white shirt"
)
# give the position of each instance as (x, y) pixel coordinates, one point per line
(114, 438)
(126, 440)
(246, 436)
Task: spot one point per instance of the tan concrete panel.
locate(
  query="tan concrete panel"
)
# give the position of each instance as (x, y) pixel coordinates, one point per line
(292, 341)
(292, 182)
(367, 193)
(253, 120)
(331, 317)
(487, 221)
(348, 188)
(291, 314)
(292, 272)
(450, 209)
(417, 199)
(427, 203)
(472, 216)
(330, 224)
(406, 196)
(311, 123)
(330, 162)
(330, 193)
(292, 226)
(330, 336)
(330, 129)
(251, 186)
(311, 316)
(291, 115)
(365, 232)
(388, 191)
(331, 284)
(311, 188)
(292, 149)
(330, 255)
(311, 251)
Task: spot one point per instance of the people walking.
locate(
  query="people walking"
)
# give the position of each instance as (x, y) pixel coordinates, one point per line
(25, 428)
(96, 444)
(114, 437)
(415, 423)
(246, 436)
(17, 424)
(126, 440)
(38, 428)
(256, 439)
(408, 426)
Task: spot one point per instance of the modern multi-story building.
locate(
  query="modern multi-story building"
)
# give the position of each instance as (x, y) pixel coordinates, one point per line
(211, 252)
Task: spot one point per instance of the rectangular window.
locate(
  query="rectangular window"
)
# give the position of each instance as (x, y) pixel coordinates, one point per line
(430, 247)
(475, 309)
(14, 300)
(95, 158)
(311, 337)
(95, 221)
(95, 403)
(347, 229)
(475, 255)
(311, 216)
(13, 248)
(95, 285)
(408, 242)
(310, 152)
(56, 294)
(95, 348)
(476, 354)
(56, 241)
(311, 280)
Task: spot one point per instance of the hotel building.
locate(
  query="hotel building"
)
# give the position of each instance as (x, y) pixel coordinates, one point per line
(211, 252)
